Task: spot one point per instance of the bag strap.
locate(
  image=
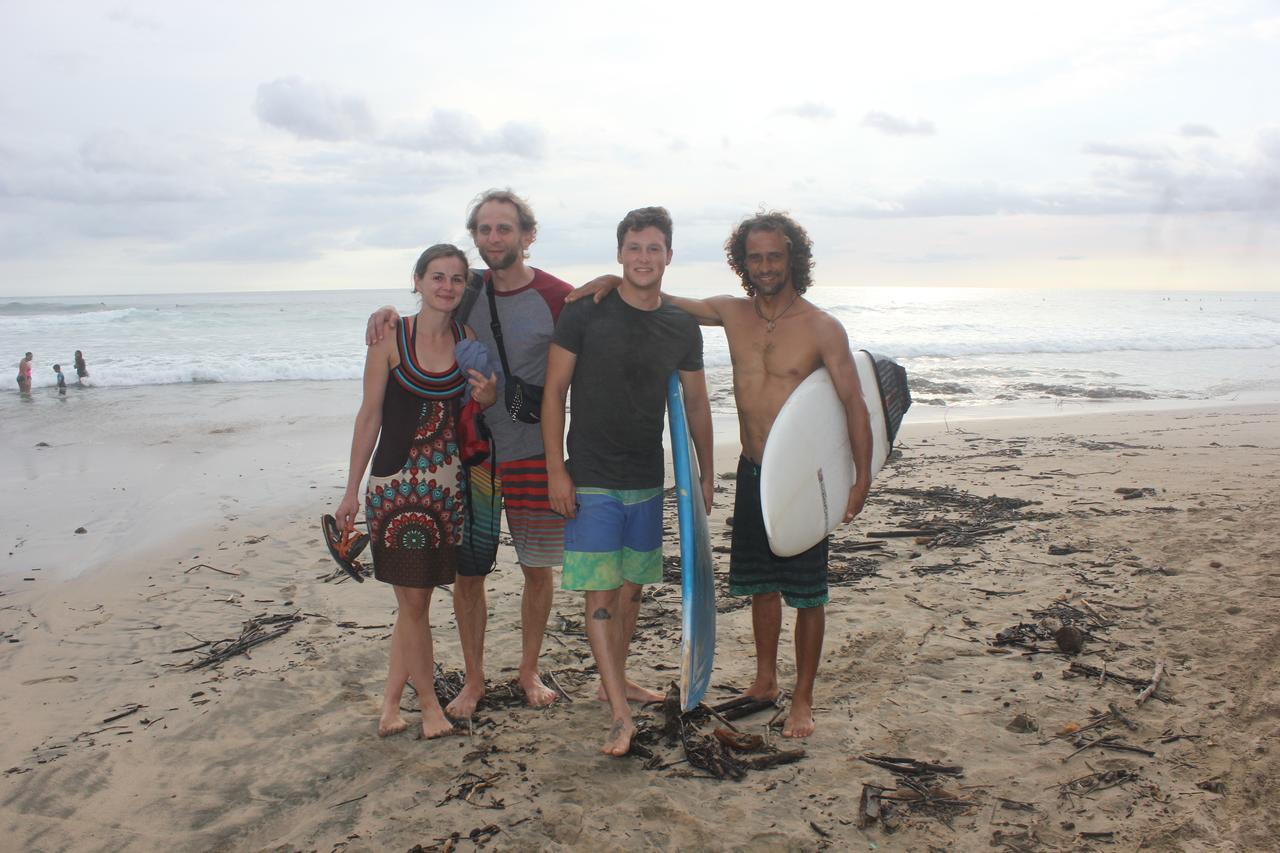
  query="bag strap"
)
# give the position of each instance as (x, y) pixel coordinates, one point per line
(475, 283)
(496, 327)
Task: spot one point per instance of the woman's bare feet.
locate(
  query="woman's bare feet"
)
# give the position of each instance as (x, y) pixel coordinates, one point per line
(800, 720)
(435, 724)
(464, 704)
(536, 694)
(619, 742)
(635, 693)
(391, 724)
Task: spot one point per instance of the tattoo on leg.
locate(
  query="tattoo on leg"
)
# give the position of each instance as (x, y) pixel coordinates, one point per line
(601, 613)
(639, 594)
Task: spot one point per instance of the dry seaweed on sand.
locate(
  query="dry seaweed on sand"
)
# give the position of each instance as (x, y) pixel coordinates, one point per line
(254, 632)
(474, 790)
(946, 516)
(723, 754)
(852, 570)
(920, 788)
(497, 696)
(1098, 781)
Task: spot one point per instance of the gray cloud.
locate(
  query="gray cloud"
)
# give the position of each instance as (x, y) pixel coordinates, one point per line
(131, 18)
(312, 110)
(1192, 129)
(1132, 181)
(897, 126)
(459, 131)
(808, 109)
(1131, 152)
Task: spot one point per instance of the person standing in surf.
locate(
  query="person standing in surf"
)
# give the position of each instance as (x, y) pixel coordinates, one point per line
(414, 384)
(528, 302)
(617, 355)
(82, 369)
(24, 374)
(776, 339)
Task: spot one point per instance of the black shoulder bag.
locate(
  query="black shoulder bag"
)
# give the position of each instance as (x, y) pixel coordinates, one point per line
(523, 399)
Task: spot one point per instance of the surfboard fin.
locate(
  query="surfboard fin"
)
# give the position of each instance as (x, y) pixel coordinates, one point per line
(345, 549)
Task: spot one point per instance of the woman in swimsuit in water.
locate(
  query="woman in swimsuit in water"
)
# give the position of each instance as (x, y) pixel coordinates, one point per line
(24, 374)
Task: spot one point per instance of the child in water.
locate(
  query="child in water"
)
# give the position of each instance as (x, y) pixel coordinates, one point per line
(62, 380)
(82, 369)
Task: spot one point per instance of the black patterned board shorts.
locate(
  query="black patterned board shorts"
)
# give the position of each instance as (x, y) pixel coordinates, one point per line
(754, 569)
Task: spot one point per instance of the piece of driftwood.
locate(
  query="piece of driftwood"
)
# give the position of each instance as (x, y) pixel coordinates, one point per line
(903, 534)
(468, 787)
(1098, 781)
(773, 759)
(129, 709)
(1110, 742)
(1121, 718)
(910, 766)
(1155, 682)
(254, 632)
(1077, 668)
(743, 709)
(214, 568)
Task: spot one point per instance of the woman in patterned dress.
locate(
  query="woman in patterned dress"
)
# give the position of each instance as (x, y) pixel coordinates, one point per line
(414, 500)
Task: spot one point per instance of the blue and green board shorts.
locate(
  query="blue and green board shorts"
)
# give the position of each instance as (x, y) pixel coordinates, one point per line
(616, 536)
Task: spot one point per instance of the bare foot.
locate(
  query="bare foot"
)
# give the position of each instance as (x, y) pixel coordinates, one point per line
(619, 742)
(536, 694)
(799, 721)
(464, 704)
(768, 690)
(635, 693)
(435, 724)
(391, 724)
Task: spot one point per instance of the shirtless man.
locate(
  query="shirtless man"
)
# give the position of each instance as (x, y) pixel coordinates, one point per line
(776, 339)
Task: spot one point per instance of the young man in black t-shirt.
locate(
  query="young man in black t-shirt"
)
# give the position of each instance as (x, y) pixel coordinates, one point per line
(617, 356)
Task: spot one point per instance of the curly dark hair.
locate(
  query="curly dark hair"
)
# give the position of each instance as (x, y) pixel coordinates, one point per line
(799, 246)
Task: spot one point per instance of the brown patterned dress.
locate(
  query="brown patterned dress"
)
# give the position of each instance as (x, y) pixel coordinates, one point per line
(415, 499)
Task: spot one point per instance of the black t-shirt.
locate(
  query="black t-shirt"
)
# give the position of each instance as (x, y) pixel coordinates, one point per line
(619, 393)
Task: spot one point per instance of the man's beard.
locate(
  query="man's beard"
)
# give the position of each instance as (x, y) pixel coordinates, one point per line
(773, 291)
(503, 262)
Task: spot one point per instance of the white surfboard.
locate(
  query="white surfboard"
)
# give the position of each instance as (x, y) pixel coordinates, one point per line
(808, 467)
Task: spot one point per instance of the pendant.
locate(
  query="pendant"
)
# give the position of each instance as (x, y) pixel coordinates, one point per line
(769, 326)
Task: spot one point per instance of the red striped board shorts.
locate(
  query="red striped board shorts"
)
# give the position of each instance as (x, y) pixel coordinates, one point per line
(536, 530)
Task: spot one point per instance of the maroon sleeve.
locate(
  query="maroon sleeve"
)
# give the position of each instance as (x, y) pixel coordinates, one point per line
(552, 290)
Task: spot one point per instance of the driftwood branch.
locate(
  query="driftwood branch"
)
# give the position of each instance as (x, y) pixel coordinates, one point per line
(1155, 682)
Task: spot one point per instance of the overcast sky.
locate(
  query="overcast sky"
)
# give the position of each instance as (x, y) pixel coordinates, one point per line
(169, 147)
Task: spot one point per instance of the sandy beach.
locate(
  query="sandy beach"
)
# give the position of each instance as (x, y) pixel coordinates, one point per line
(1150, 535)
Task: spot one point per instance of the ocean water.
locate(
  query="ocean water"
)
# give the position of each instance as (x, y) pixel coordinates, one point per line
(966, 350)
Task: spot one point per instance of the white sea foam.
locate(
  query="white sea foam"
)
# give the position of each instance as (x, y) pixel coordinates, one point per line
(994, 344)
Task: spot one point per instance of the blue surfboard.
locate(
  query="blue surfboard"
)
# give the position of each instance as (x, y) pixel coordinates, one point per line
(697, 573)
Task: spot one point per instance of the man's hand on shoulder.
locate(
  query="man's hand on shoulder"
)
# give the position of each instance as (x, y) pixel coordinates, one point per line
(598, 288)
(381, 322)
